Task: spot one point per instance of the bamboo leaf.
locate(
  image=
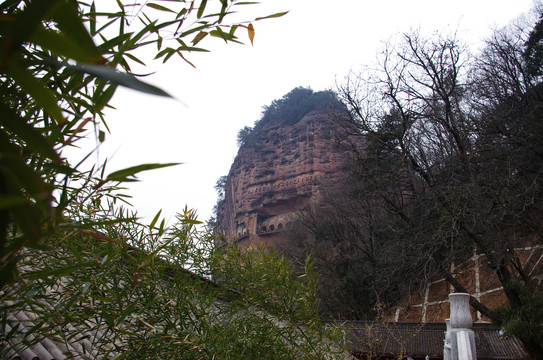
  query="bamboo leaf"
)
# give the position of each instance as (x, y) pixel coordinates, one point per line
(193, 30)
(118, 78)
(104, 97)
(133, 58)
(179, 15)
(164, 52)
(222, 14)
(155, 219)
(43, 96)
(23, 177)
(201, 9)
(67, 270)
(116, 41)
(32, 137)
(120, 317)
(159, 43)
(218, 32)
(92, 19)
(7, 271)
(125, 174)
(71, 25)
(61, 45)
(27, 218)
(185, 47)
(182, 57)
(93, 224)
(7, 202)
(199, 37)
(161, 228)
(279, 14)
(159, 7)
(251, 32)
(191, 221)
(26, 23)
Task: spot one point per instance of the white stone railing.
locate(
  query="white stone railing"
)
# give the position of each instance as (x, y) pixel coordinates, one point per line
(459, 341)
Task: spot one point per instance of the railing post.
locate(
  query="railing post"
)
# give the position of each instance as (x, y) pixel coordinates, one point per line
(447, 349)
(462, 338)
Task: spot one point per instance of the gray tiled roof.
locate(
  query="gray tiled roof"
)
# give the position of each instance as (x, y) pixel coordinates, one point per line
(74, 341)
(63, 345)
(364, 337)
(418, 340)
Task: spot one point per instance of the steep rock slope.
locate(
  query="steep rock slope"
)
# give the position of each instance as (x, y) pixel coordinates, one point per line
(281, 171)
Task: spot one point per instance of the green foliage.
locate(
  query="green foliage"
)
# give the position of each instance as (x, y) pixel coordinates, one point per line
(293, 106)
(71, 256)
(61, 62)
(245, 135)
(220, 187)
(287, 298)
(132, 303)
(525, 323)
(288, 110)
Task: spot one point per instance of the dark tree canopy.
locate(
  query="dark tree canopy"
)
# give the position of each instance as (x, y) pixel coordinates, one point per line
(288, 110)
(293, 106)
(533, 52)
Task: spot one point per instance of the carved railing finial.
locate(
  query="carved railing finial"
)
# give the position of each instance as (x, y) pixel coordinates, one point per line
(459, 338)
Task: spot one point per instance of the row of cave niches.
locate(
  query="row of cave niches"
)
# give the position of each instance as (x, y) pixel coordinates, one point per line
(266, 230)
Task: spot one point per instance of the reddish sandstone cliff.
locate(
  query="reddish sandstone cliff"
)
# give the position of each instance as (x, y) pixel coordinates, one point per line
(286, 168)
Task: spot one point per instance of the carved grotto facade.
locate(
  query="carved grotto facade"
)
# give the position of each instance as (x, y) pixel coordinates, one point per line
(283, 171)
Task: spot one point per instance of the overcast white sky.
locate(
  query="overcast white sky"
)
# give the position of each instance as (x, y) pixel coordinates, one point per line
(315, 45)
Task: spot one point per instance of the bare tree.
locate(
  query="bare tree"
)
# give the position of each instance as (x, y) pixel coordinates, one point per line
(453, 160)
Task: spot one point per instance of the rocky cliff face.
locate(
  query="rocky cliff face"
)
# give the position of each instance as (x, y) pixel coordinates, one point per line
(281, 172)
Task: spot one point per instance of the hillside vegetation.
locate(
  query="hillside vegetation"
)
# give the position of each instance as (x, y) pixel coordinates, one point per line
(288, 110)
